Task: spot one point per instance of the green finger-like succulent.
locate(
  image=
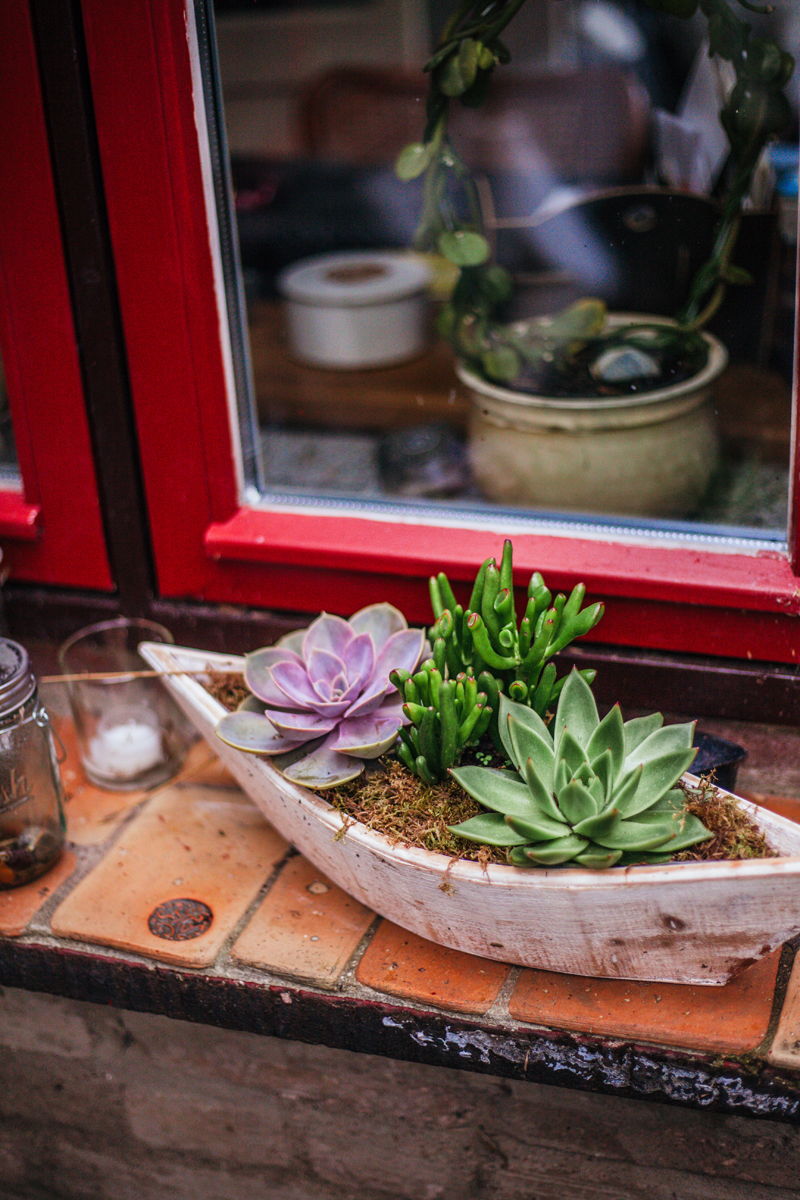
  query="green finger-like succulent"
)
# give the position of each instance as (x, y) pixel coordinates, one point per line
(444, 716)
(596, 793)
(485, 638)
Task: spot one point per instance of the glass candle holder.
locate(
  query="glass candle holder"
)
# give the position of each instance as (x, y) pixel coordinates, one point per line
(130, 732)
(31, 798)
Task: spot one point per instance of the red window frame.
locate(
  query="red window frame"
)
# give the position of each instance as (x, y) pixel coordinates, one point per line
(51, 530)
(210, 546)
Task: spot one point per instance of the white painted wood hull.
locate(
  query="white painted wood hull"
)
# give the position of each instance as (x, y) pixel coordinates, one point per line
(697, 923)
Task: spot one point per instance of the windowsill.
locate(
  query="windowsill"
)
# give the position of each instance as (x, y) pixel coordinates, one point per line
(289, 955)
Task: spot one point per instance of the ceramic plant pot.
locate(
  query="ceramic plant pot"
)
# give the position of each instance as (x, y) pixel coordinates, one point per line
(695, 923)
(651, 454)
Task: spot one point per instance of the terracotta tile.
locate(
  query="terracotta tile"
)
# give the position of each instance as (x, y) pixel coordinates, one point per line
(188, 842)
(93, 813)
(19, 904)
(406, 965)
(305, 928)
(784, 806)
(785, 1050)
(728, 1019)
(212, 772)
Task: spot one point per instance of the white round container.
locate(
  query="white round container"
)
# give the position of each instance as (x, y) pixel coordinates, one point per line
(357, 308)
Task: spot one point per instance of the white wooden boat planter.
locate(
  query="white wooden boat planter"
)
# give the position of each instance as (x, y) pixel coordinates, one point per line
(697, 923)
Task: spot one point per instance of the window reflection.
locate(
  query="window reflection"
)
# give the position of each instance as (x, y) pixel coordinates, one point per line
(594, 172)
(9, 469)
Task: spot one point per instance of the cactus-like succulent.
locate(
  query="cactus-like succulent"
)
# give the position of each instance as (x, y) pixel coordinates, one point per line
(484, 637)
(479, 653)
(323, 697)
(444, 716)
(595, 793)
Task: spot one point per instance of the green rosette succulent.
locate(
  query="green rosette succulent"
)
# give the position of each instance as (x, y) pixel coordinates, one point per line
(594, 794)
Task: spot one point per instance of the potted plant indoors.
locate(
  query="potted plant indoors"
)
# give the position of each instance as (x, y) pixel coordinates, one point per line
(585, 410)
(566, 825)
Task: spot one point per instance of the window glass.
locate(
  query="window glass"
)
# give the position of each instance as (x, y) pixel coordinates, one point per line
(598, 162)
(9, 467)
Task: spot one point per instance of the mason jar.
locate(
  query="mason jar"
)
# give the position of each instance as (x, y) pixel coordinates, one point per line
(32, 822)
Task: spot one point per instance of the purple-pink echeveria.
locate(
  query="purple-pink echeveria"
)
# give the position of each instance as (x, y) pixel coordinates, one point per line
(328, 681)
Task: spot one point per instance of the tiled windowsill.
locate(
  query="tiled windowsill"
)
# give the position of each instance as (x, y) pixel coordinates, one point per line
(289, 955)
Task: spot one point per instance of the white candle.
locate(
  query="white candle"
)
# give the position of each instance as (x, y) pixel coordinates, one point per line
(126, 750)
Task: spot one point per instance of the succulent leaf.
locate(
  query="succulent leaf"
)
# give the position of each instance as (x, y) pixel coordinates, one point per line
(639, 728)
(330, 680)
(577, 711)
(576, 803)
(560, 850)
(576, 800)
(542, 794)
(490, 829)
(508, 793)
(537, 828)
(609, 736)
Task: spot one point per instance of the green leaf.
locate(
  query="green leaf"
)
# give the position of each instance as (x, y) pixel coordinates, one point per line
(498, 790)
(537, 829)
(688, 829)
(490, 829)
(501, 364)
(657, 777)
(640, 728)
(598, 859)
(576, 711)
(571, 754)
(605, 778)
(608, 737)
(464, 248)
(576, 803)
(630, 835)
(525, 717)
(603, 823)
(527, 743)
(450, 77)
(660, 742)
(543, 797)
(551, 854)
(736, 275)
(413, 160)
(469, 53)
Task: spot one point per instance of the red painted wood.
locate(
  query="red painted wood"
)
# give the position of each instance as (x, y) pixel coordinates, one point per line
(761, 581)
(141, 83)
(38, 348)
(208, 548)
(18, 519)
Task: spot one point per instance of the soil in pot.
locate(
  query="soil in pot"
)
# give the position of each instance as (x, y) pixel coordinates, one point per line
(388, 799)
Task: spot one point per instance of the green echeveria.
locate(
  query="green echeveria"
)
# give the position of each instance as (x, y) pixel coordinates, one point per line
(594, 793)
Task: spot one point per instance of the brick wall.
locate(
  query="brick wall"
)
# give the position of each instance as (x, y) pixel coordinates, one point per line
(108, 1105)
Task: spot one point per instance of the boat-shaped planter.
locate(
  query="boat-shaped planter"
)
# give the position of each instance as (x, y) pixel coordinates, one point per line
(699, 923)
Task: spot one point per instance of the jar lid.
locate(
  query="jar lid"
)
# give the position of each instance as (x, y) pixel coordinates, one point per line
(17, 681)
(354, 278)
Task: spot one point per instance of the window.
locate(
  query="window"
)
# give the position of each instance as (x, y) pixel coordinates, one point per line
(50, 522)
(233, 514)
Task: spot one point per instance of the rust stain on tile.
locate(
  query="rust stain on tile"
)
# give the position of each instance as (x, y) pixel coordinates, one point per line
(305, 928)
(188, 842)
(404, 964)
(18, 905)
(728, 1019)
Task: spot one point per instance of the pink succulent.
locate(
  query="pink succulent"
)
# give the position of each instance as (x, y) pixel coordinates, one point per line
(329, 681)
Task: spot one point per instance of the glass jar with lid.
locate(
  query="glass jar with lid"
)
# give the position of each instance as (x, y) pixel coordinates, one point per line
(31, 797)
